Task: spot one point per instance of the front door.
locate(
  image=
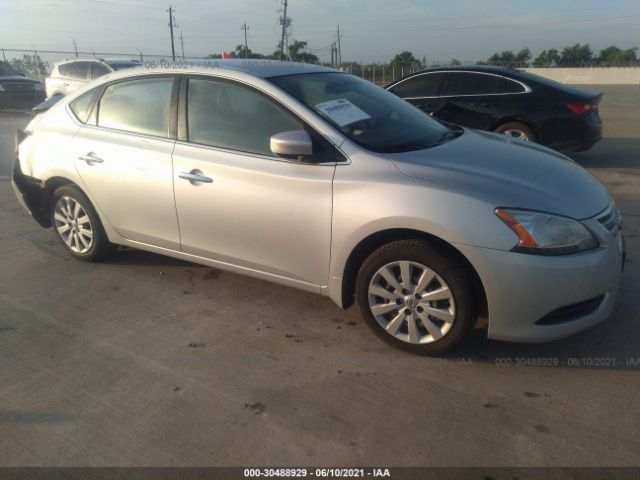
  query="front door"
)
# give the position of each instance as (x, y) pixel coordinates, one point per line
(247, 207)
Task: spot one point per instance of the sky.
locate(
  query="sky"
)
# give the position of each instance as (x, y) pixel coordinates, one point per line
(372, 30)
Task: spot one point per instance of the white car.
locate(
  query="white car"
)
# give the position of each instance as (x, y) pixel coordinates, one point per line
(69, 75)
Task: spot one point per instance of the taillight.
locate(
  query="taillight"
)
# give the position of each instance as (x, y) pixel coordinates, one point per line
(582, 108)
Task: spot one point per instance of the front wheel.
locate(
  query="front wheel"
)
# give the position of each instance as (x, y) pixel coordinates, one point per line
(78, 226)
(415, 297)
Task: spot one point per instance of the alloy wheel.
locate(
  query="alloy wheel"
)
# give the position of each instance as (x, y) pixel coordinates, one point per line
(411, 302)
(73, 225)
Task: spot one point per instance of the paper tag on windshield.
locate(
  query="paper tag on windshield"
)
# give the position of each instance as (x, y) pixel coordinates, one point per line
(342, 111)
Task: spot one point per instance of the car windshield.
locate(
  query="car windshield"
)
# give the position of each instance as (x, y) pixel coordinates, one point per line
(374, 118)
(6, 69)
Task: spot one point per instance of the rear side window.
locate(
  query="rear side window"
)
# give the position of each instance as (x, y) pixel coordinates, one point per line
(509, 86)
(467, 83)
(427, 85)
(81, 106)
(80, 70)
(138, 106)
(234, 117)
(98, 70)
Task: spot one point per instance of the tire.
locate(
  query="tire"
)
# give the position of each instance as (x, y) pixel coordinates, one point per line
(78, 226)
(439, 323)
(517, 130)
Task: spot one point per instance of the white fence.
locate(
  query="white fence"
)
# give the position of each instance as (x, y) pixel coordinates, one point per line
(591, 76)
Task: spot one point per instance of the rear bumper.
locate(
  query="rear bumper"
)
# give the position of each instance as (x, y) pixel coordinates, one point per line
(20, 100)
(535, 298)
(585, 136)
(29, 193)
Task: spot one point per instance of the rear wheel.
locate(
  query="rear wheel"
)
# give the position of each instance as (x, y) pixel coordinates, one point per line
(415, 297)
(78, 226)
(517, 130)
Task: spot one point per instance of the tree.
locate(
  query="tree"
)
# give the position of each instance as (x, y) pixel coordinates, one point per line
(406, 62)
(455, 61)
(547, 58)
(576, 56)
(30, 66)
(522, 58)
(507, 58)
(298, 53)
(615, 56)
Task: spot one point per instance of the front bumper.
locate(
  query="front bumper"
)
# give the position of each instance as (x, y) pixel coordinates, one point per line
(535, 298)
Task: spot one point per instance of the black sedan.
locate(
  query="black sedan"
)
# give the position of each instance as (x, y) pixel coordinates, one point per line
(18, 92)
(508, 101)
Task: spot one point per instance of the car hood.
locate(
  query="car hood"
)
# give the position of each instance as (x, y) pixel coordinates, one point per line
(508, 173)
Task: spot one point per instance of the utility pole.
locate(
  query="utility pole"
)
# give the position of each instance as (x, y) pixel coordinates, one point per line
(75, 47)
(182, 45)
(339, 49)
(173, 50)
(284, 27)
(246, 45)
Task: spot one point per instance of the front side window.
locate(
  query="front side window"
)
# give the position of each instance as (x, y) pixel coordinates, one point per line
(425, 85)
(471, 84)
(138, 106)
(80, 70)
(369, 115)
(225, 115)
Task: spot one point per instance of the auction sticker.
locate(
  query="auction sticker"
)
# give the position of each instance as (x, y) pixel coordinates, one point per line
(342, 111)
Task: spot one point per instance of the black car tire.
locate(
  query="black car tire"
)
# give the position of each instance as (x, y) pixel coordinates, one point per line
(63, 221)
(447, 268)
(517, 127)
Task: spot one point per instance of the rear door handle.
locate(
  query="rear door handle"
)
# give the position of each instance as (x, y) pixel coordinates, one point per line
(91, 158)
(195, 177)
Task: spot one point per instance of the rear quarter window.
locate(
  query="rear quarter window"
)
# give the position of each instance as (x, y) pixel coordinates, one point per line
(81, 106)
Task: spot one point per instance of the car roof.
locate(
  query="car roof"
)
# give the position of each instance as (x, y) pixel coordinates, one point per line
(256, 68)
(474, 68)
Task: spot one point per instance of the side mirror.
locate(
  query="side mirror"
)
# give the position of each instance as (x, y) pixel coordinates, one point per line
(294, 145)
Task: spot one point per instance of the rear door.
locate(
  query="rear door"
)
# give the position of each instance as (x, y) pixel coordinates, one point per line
(471, 100)
(423, 90)
(123, 155)
(78, 76)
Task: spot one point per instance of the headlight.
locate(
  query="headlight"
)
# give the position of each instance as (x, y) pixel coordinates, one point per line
(38, 87)
(1, 88)
(545, 234)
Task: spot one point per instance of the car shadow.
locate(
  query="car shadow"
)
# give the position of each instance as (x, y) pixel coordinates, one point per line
(611, 345)
(610, 153)
(132, 256)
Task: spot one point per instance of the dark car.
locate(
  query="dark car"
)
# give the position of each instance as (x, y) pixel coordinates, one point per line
(509, 101)
(17, 91)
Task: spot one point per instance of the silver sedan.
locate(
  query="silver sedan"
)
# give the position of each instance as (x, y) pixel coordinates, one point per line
(319, 180)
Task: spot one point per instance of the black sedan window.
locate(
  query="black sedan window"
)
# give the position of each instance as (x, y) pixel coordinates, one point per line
(467, 83)
(425, 85)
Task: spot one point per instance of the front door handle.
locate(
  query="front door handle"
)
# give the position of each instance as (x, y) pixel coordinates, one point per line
(91, 158)
(195, 177)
